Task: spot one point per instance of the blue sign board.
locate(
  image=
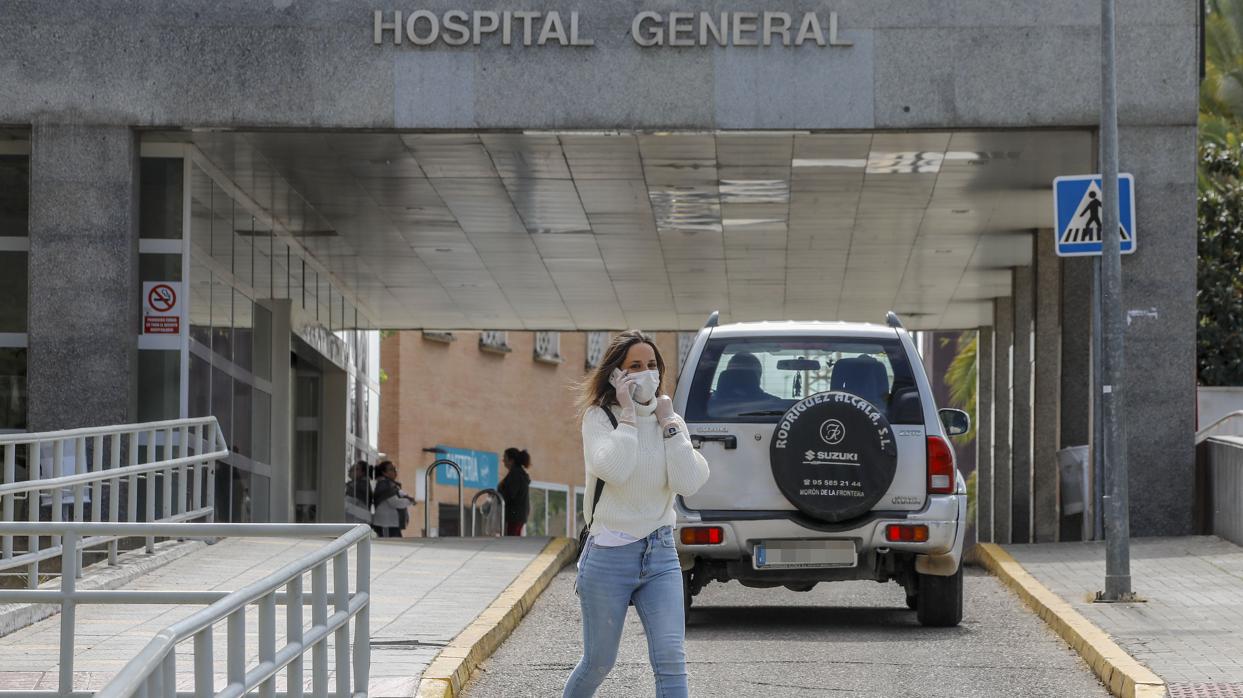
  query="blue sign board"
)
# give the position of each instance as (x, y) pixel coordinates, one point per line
(480, 469)
(1078, 212)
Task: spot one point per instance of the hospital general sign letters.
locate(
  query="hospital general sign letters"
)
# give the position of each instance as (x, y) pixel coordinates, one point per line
(647, 29)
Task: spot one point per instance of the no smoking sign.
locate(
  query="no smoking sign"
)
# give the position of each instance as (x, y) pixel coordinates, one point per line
(161, 313)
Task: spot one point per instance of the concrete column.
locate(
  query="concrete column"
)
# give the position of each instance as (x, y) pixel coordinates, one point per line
(281, 495)
(83, 306)
(1158, 296)
(1075, 419)
(1076, 368)
(984, 435)
(1003, 408)
(1046, 509)
(1021, 427)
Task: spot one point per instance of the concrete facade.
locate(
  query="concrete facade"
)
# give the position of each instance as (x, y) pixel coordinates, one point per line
(1160, 316)
(928, 63)
(83, 76)
(83, 305)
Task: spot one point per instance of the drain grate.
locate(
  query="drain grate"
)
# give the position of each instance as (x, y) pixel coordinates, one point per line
(1205, 690)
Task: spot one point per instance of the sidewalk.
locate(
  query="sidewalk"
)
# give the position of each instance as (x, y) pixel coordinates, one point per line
(424, 592)
(1190, 629)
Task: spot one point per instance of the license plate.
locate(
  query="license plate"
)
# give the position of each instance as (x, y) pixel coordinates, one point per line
(794, 554)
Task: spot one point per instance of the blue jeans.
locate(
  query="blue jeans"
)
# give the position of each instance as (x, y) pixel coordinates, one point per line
(646, 573)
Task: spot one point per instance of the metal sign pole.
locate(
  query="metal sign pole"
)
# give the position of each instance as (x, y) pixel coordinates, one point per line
(1096, 525)
(1117, 506)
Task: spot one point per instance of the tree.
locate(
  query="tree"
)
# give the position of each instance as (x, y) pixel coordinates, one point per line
(1221, 93)
(960, 378)
(1219, 294)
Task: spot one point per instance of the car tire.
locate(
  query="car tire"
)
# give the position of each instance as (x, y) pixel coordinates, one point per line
(939, 601)
(912, 601)
(687, 597)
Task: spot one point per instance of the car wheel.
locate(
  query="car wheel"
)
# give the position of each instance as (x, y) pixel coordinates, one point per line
(686, 592)
(939, 601)
(912, 601)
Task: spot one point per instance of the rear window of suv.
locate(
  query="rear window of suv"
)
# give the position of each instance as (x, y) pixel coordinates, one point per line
(756, 379)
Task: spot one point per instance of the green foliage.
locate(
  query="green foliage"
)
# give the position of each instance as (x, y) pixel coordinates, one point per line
(960, 377)
(1221, 93)
(1219, 297)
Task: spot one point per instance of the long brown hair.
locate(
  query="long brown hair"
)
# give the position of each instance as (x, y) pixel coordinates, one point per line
(596, 390)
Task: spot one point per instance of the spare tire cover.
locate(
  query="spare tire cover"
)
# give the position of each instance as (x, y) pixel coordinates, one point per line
(833, 456)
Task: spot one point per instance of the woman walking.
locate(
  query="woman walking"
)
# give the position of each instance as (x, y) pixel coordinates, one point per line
(629, 558)
(515, 489)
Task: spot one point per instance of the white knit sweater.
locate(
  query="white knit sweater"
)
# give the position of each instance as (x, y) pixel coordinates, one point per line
(642, 471)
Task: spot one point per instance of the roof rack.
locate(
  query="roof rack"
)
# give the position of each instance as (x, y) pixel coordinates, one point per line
(713, 320)
(891, 319)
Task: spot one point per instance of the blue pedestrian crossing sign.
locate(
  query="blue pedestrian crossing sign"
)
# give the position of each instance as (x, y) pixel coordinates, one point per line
(1078, 212)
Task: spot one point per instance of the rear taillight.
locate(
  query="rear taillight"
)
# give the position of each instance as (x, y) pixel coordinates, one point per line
(906, 533)
(940, 466)
(703, 535)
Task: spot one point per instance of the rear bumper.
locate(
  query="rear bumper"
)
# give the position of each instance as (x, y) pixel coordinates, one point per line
(944, 516)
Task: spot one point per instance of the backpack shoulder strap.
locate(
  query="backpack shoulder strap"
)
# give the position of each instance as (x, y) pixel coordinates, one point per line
(595, 499)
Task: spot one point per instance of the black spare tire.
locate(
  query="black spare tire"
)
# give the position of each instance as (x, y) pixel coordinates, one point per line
(833, 456)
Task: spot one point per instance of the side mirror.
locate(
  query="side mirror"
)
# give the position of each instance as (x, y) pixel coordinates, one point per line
(956, 422)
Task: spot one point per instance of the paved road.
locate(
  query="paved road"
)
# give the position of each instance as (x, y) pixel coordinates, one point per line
(843, 639)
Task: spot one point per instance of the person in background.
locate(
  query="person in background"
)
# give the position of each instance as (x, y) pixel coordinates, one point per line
(391, 502)
(358, 494)
(515, 489)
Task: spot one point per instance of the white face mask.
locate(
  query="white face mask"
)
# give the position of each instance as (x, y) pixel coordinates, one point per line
(646, 383)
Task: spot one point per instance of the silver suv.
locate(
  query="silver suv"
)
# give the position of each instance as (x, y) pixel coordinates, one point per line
(830, 461)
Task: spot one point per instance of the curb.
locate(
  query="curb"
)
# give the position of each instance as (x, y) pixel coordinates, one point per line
(131, 565)
(452, 668)
(1120, 672)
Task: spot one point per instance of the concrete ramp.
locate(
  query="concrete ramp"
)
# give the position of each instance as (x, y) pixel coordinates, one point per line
(424, 592)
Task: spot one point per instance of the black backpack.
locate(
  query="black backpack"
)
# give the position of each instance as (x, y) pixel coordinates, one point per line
(595, 498)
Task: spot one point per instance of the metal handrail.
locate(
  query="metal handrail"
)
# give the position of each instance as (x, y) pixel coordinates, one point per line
(1204, 434)
(107, 463)
(474, 502)
(152, 672)
(427, 505)
(24, 437)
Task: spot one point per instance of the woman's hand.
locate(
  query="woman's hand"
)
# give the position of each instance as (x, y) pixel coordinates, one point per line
(664, 409)
(623, 383)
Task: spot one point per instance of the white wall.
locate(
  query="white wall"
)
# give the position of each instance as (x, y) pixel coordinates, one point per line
(1214, 403)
